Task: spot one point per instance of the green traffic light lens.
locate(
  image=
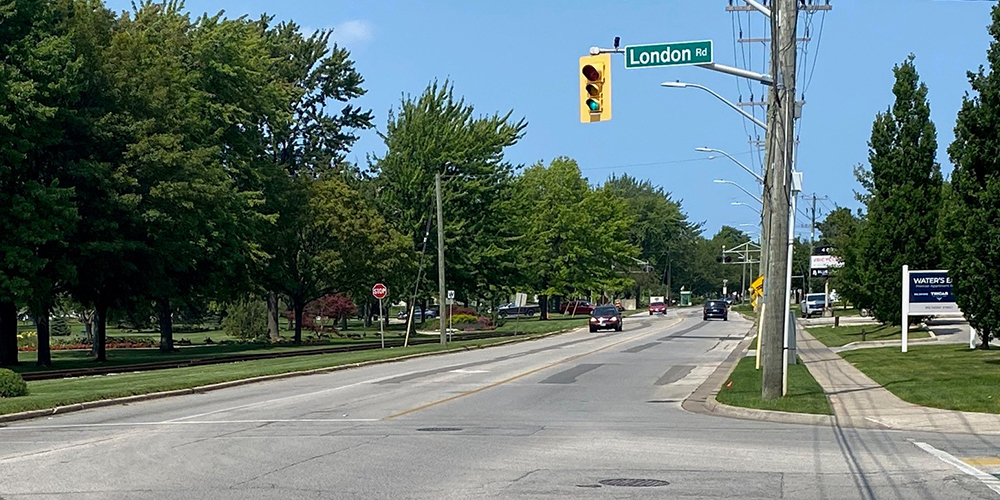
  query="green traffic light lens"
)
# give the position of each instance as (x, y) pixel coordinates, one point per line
(591, 73)
(593, 105)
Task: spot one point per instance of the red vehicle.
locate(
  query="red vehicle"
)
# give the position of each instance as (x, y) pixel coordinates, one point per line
(576, 307)
(657, 307)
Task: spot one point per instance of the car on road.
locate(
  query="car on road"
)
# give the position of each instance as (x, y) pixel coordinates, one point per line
(576, 307)
(513, 310)
(418, 313)
(606, 318)
(715, 308)
(813, 304)
(657, 307)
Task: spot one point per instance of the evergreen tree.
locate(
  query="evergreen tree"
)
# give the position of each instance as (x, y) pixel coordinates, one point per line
(904, 195)
(974, 197)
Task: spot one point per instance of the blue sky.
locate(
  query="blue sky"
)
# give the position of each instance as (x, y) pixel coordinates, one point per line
(400, 46)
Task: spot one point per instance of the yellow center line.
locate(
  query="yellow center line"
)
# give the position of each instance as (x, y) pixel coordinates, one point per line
(522, 375)
(982, 461)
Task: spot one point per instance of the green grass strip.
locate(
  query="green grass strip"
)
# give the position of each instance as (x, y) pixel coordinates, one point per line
(843, 335)
(950, 376)
(804, 394)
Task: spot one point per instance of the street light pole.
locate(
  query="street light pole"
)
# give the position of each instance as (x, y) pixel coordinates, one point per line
(440, 231)
(727, 155)
(755, 197)
(683, 85)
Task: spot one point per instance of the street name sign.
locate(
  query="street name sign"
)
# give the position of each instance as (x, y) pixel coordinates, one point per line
(657, 55)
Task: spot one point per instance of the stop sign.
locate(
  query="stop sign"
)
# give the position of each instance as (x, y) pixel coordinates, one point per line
(379, 291)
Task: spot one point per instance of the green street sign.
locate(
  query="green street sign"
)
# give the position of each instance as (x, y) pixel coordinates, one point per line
(655, 55)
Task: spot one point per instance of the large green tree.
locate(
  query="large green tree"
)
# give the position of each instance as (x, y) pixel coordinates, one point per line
(439, 133)
(44, 119)
(973, 234)
(903, 197)
(334, 243)
(306, 137)
(661, 229)
(574, 239)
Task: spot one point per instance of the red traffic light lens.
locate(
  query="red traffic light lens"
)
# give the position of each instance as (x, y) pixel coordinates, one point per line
(591, 73)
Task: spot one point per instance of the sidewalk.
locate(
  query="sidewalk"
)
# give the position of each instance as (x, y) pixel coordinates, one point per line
(858, 401)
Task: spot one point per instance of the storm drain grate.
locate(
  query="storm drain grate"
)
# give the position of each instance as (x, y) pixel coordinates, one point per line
(439, 429)
(633, 483)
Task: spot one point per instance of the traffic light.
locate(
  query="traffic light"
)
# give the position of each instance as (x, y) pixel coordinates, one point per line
(723, 258)
(595, 88)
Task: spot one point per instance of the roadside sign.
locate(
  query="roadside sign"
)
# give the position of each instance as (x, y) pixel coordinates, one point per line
(657, 55)
(451, 294)
(926, 293)
(379, 291)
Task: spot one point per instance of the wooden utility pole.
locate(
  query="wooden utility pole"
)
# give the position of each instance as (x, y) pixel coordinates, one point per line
(778, 191)
(441, 290)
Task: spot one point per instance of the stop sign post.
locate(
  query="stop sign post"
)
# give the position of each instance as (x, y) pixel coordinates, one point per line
(380, 291)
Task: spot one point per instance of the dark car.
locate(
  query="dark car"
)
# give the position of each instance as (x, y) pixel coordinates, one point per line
(657, 307)
(513, 310)
(418, 313)
(716, 309)
(576, 307)
(606, 318)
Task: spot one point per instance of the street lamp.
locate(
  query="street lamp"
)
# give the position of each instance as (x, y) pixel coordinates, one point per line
(683, 85)
(740, 203)
(722, 181)
(727, 155)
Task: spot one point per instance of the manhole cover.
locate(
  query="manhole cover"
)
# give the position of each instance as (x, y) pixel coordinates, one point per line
(439, 429)
(633, 483)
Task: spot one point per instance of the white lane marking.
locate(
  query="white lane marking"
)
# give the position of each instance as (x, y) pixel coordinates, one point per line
(990, 481)
(469, 371)
(286, 398)
(188, 422)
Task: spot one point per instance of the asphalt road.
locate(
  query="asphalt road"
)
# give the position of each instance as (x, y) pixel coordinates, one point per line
(563, 417)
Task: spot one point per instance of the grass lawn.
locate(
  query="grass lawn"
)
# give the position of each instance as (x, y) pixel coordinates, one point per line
(952, 377)
(804, 394)
(80, 358)
(53, 393)
(555, 323)
(746, 310)
(843, 335)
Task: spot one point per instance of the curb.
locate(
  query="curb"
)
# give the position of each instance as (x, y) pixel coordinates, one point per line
(702, 401)
(59, 410)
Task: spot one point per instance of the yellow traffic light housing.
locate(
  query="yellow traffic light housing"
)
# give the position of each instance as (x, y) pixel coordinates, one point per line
(595, 88)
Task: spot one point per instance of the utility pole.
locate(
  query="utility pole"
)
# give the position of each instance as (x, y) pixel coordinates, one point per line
(441, 291)
(778, 192)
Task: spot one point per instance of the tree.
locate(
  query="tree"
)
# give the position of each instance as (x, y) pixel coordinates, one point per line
(438, 132)
(904, 195)
(573, 239)
(306, 137)
(843, 231)
(661, 227)
(974, 197)
(192, 96)
(43, 112)
(334, 244)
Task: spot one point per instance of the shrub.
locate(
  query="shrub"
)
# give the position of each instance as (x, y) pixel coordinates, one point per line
(461, 311)
(11, 384)
(246, 319)
(26, 339)
(60, 327)
(464, 319)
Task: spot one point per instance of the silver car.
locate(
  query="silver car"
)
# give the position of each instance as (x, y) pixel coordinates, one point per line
(814, 304)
